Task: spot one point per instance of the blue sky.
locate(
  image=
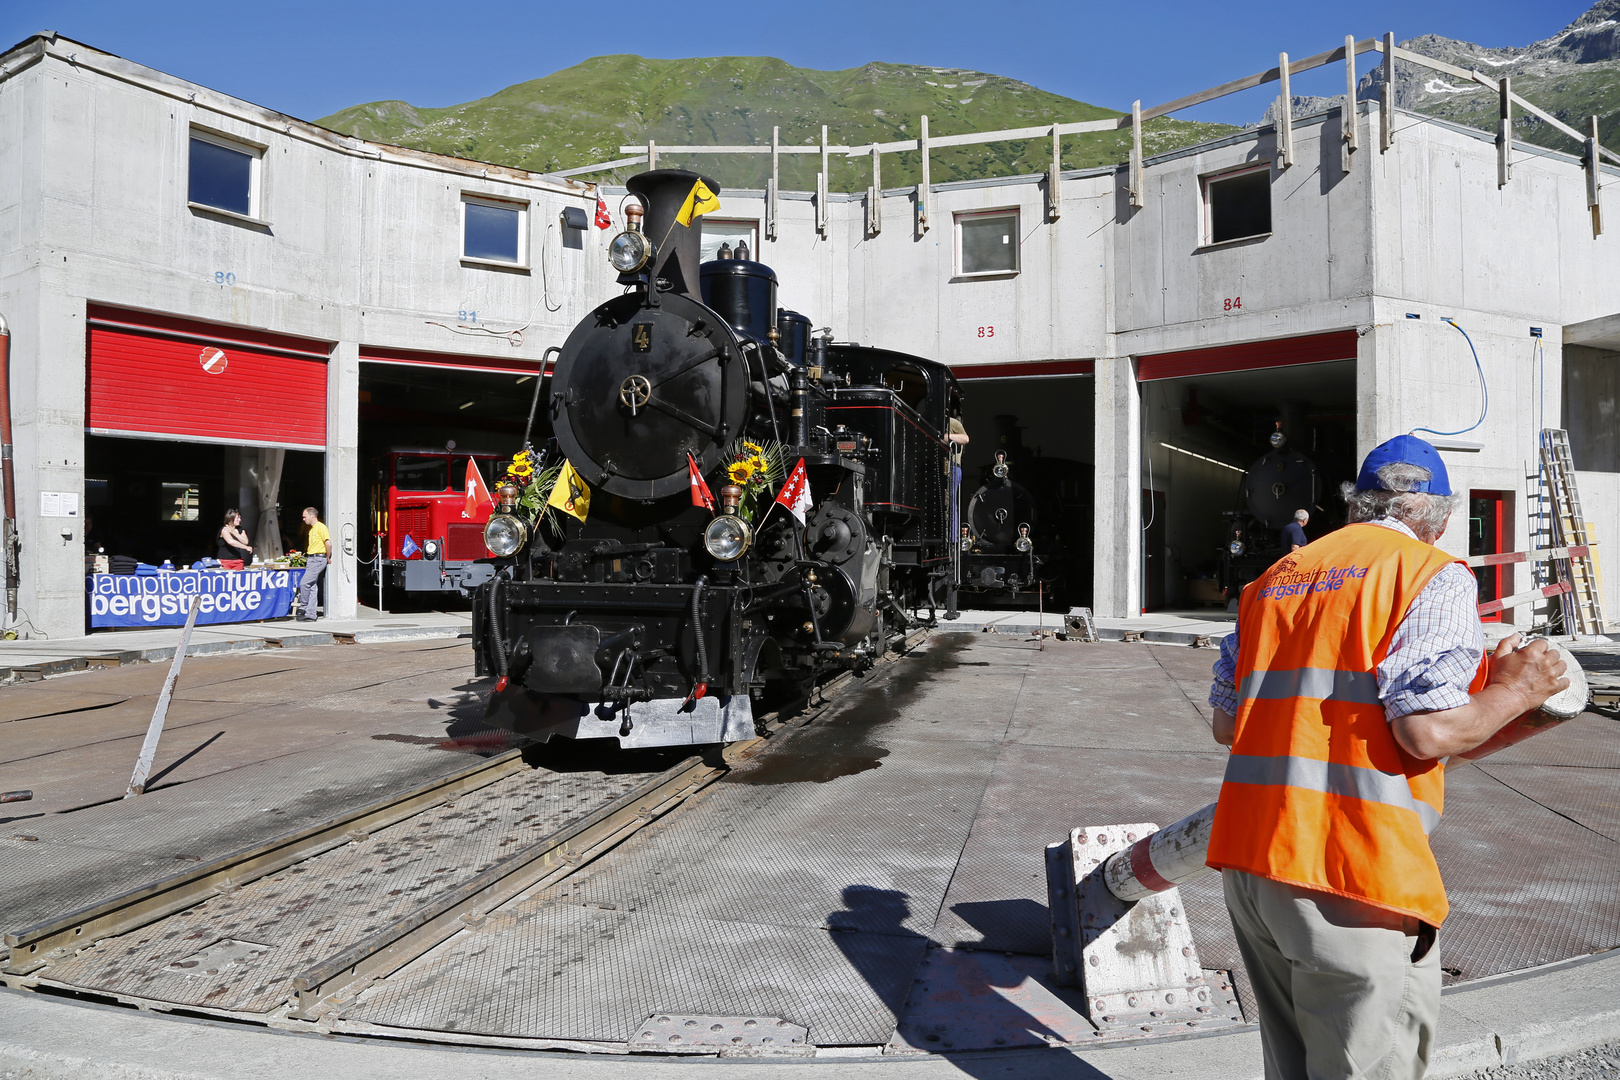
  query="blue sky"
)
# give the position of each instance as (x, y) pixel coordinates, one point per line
(311, 59)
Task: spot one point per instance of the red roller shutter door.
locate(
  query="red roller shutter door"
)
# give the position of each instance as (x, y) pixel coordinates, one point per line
(157, 376)
(1278, 352)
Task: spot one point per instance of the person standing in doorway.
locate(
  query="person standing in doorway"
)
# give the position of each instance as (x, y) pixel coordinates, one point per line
(235, 549)
(317, 551)
(1294, 531)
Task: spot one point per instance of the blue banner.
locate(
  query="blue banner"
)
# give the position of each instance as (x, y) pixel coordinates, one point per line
(164, 599)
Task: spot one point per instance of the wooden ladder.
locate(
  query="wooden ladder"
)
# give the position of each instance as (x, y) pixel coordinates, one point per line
(1583, 603)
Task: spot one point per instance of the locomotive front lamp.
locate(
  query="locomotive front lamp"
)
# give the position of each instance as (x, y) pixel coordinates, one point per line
(630, 250)
(1235, 547)
(505, 535)
(727, 537)
(1023, 543)
(430, 549)
(1000, 469)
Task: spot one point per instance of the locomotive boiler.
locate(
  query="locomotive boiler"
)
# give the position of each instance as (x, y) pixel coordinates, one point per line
(666, 585)
(1279, 482)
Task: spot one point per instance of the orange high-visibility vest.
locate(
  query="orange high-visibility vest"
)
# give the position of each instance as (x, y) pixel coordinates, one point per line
(1317, 791)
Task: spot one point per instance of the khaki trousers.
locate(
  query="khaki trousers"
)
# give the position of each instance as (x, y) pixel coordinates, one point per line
(1340, 994)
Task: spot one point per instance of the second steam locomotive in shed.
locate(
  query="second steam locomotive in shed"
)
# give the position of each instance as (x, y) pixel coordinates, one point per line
(733, 503)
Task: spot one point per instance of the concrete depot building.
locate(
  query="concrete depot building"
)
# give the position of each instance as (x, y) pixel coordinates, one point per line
(355, 311)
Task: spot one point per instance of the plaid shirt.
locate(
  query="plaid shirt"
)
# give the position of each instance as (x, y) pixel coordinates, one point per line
(1432, 658)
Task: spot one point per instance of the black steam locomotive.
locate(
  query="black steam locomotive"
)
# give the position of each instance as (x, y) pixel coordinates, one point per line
(997, 556)
(1280, 482)
(655, 618)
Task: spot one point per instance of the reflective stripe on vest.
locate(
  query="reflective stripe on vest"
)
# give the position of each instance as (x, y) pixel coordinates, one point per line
(1327, 684)
(1332, 778)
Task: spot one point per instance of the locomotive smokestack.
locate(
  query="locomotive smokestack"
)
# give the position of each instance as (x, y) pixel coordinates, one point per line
(664, 191)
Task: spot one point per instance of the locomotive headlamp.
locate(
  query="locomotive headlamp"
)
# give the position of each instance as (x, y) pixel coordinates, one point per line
(999, 471)
(727, 537)
(1023, 543)
(967, 541)
(629, 252)
(1235, 547)
(1278, 438)
(430, 549)
(505, 534)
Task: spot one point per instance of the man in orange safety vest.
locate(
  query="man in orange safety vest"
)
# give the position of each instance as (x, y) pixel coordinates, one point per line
(1356, 668)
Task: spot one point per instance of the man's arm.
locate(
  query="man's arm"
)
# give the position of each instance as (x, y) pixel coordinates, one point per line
(1520, 681)
(1223, 699)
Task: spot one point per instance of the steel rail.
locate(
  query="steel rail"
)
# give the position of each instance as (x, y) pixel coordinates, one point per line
(31, 947)
(335, 981)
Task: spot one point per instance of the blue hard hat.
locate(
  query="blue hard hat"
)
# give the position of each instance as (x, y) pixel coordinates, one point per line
(1405, 450)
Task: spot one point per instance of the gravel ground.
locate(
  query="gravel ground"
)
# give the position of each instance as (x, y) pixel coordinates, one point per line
(1599, 1063)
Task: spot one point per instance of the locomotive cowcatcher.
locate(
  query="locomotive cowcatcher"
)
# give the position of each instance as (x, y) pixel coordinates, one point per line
(631, 609)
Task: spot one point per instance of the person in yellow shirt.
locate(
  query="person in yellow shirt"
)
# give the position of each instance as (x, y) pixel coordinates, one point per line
(317, 550)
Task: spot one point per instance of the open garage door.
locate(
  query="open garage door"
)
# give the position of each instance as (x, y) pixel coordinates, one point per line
(1236, 439)
(1041, 414)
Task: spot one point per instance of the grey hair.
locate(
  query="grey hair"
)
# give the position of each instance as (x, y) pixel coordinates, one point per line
(1422, 512)
(1302, 515)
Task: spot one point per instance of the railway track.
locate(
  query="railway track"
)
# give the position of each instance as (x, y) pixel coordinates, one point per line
(284, 932)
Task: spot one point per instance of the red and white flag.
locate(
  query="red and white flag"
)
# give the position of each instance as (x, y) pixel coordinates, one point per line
(604, 220)
(479, 500)
(795, 493)
(700, 491)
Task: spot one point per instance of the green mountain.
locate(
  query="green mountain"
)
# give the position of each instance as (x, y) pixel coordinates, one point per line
(1574, 75)
(583, 114)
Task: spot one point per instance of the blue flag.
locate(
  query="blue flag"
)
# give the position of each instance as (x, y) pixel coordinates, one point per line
(409, 547)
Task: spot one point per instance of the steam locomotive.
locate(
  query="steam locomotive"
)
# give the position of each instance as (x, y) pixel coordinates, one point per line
(654, 617)
(997, 552)
(1281, 481)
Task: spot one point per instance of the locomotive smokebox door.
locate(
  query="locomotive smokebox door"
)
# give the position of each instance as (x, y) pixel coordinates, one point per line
(637, 389)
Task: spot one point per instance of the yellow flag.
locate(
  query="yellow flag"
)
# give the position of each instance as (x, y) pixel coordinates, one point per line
(569, 494)
(700, 200)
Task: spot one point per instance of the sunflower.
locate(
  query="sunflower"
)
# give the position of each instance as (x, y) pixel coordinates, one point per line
(740, 472)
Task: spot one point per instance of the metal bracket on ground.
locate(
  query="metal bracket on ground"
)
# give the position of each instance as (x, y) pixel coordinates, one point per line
(739, 1036)
(1079, 625)
(1135, 961)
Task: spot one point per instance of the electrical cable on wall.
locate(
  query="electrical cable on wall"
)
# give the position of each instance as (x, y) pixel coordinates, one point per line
(1484, 391)
(545, 276)
(513, 338)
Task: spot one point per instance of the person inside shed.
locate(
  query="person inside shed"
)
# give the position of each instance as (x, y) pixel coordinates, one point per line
(317, 551)
(1294, 532)
(1356, 667)
(235, 549)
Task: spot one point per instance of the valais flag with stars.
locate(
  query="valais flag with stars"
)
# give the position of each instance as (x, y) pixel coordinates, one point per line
(604, 220)
(795, 493)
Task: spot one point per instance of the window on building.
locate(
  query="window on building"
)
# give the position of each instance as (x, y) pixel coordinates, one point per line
(729, 233)
(423, 473)
(1237, 205)
(987, 243)
(494, 230)
(181, 502)
(224, 174)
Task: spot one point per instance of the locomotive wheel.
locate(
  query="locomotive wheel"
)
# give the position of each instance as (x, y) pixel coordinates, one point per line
(638, 388)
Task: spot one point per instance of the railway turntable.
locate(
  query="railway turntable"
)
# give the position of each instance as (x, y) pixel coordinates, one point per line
(865, 881)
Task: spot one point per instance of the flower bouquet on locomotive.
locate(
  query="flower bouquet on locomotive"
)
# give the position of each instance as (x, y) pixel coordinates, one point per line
(731, 505)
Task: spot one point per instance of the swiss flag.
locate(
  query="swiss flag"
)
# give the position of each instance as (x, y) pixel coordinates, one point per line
(604, 220)
(700, 491)
(795, 494)
(479, 500)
